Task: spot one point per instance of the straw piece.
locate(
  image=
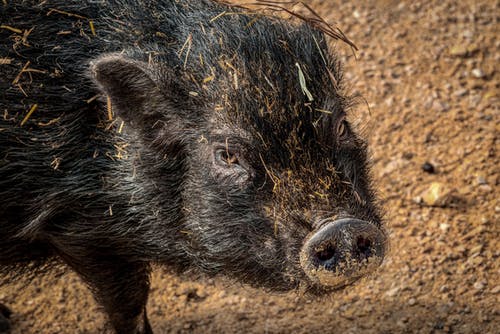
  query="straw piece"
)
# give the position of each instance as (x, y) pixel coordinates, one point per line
(28, 115)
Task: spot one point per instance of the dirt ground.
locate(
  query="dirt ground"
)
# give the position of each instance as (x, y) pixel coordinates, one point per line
(428, 73)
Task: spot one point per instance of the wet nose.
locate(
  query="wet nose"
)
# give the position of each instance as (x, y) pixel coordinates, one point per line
(342, 251)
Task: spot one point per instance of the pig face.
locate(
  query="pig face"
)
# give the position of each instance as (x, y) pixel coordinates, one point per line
(275, 190)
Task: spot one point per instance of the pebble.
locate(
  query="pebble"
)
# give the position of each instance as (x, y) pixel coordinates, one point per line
(468, 34)
(393, 166)
(491, 94)
(412, 301)
(459, 50)
(476, 250)
(392, 292)
(440, 106)
(437, 194)
(428, 167)
(349, 314)
(444, 227)
(461, 92)
(408, 155)
(485, 188)
(479, 285)
(481, 180)
(401, 323)
(487, 118)
(475, 231)
(478, 73)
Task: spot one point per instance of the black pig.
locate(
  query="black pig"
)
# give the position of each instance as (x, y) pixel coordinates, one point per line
(187, 133)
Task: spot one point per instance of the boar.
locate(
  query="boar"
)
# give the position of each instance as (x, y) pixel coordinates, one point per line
(192, 134)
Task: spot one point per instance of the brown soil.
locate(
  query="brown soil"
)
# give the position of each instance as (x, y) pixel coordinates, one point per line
(428, 71)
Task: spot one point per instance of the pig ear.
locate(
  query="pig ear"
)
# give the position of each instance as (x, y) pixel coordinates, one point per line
(129, 84)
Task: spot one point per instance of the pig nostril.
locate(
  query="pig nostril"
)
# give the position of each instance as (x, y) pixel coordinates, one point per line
(341, 251)
(363, 248)
(326, 253)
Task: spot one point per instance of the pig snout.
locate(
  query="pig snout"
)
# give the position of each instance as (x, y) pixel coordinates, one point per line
(341, 251)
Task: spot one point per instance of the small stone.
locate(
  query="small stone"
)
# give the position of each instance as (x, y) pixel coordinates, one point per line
(408, 155)
(436, 195)
(485, 188)
(460, 92)
(412, 301)
(490, 95)
(444, 227)
(440, 106)
(349, 314)
(392, 292)
(476, 231)
(485, 318)
(476, 250)
(481, 180)
(468, 34)
(389, 101)
(487, 118)
(428, 167)
(458, 50)
(478, 73)
(439, 325)
(479, 285)
(475, 99)
(400, 323)
(418, 199)
(393, 166)
(477, 261)
(444, 288)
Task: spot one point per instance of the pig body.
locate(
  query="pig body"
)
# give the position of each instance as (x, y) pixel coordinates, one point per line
(185, 133)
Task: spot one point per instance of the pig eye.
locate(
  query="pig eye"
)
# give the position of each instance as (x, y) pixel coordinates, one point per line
(342, 128)
(226, 157)
(231, 167)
